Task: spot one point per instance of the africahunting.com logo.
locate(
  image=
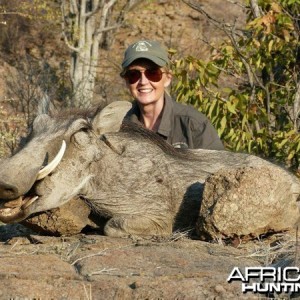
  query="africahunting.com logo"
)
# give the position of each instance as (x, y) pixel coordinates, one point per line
(267, 279)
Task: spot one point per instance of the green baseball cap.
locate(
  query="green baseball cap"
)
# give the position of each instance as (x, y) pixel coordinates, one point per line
(151, 50)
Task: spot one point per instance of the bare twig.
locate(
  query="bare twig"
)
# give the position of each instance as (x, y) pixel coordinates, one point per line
(102, 271)
(255, 8)
(296, 106)
(88, 256)
(297, 245)
(88, 294)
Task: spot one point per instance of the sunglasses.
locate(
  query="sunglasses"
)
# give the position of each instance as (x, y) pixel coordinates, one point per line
(154, 75)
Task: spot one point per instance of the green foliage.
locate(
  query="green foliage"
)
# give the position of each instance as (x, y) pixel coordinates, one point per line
(250, 87)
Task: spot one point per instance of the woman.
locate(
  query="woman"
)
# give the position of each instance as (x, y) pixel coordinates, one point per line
(145, 70)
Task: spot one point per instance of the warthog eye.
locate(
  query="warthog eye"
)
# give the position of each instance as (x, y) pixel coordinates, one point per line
(80, 136)
(84, 126)
(85, 129)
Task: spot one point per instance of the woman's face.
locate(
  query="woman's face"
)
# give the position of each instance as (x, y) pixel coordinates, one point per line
(144, 90)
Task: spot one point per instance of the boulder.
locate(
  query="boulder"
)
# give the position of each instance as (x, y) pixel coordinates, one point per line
(71, 218)
(242, 202)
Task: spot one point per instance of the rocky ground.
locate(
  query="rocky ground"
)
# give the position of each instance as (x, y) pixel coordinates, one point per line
(92, 266)
(99, 267)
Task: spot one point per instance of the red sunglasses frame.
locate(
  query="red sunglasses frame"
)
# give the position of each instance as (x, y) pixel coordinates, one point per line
(154, 74)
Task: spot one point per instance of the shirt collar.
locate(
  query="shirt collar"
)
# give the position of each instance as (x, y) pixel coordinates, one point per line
(165, 125)
(134, 113)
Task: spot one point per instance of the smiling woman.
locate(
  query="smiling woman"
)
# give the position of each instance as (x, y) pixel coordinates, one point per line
(147, 76)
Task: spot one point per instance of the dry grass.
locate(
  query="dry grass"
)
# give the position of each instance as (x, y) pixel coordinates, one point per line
(12, 127)
(278, 250)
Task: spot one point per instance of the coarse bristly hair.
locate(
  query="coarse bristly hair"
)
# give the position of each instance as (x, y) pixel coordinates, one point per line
(68, 115)
(144, 133)
(128, 127)
(76, 113)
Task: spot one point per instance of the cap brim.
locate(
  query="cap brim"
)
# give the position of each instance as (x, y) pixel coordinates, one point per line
(157, 60)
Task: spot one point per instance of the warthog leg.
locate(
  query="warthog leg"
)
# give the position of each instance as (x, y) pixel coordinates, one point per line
(124, 226)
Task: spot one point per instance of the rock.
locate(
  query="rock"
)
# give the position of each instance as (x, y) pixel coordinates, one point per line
(195, 16)
(241, 202)
(220, 289)
(30, 276)
(171, 14)
(71, 218)
(98, 267)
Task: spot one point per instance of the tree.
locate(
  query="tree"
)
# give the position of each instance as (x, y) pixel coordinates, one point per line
(19, 17)
(32, 87)
(87, 26)
(259, 111)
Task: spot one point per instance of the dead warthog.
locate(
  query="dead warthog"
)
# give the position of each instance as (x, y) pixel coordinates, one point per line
(143, 185)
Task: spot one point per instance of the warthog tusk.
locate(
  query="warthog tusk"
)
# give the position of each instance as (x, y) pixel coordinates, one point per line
(29, 202)
(53, 164)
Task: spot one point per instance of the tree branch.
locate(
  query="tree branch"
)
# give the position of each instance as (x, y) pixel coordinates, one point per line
(105, 29)
(97, 7)
(13, 13)
(255, 8)
(296, 106)
(69, 45)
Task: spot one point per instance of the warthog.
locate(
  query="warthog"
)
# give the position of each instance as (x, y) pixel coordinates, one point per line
(142, 184)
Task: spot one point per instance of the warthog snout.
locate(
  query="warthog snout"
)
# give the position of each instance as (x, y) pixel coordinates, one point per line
(8, 191)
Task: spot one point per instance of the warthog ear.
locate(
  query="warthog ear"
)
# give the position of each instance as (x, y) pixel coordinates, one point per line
(110, 118)
(41, 122)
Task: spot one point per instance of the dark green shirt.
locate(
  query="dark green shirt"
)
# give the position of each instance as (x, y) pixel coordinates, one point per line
(183, 126)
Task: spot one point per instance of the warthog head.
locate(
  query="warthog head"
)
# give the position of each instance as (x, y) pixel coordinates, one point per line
(31, 181)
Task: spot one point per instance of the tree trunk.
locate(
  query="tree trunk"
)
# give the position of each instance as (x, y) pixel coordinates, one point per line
(84, 25)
